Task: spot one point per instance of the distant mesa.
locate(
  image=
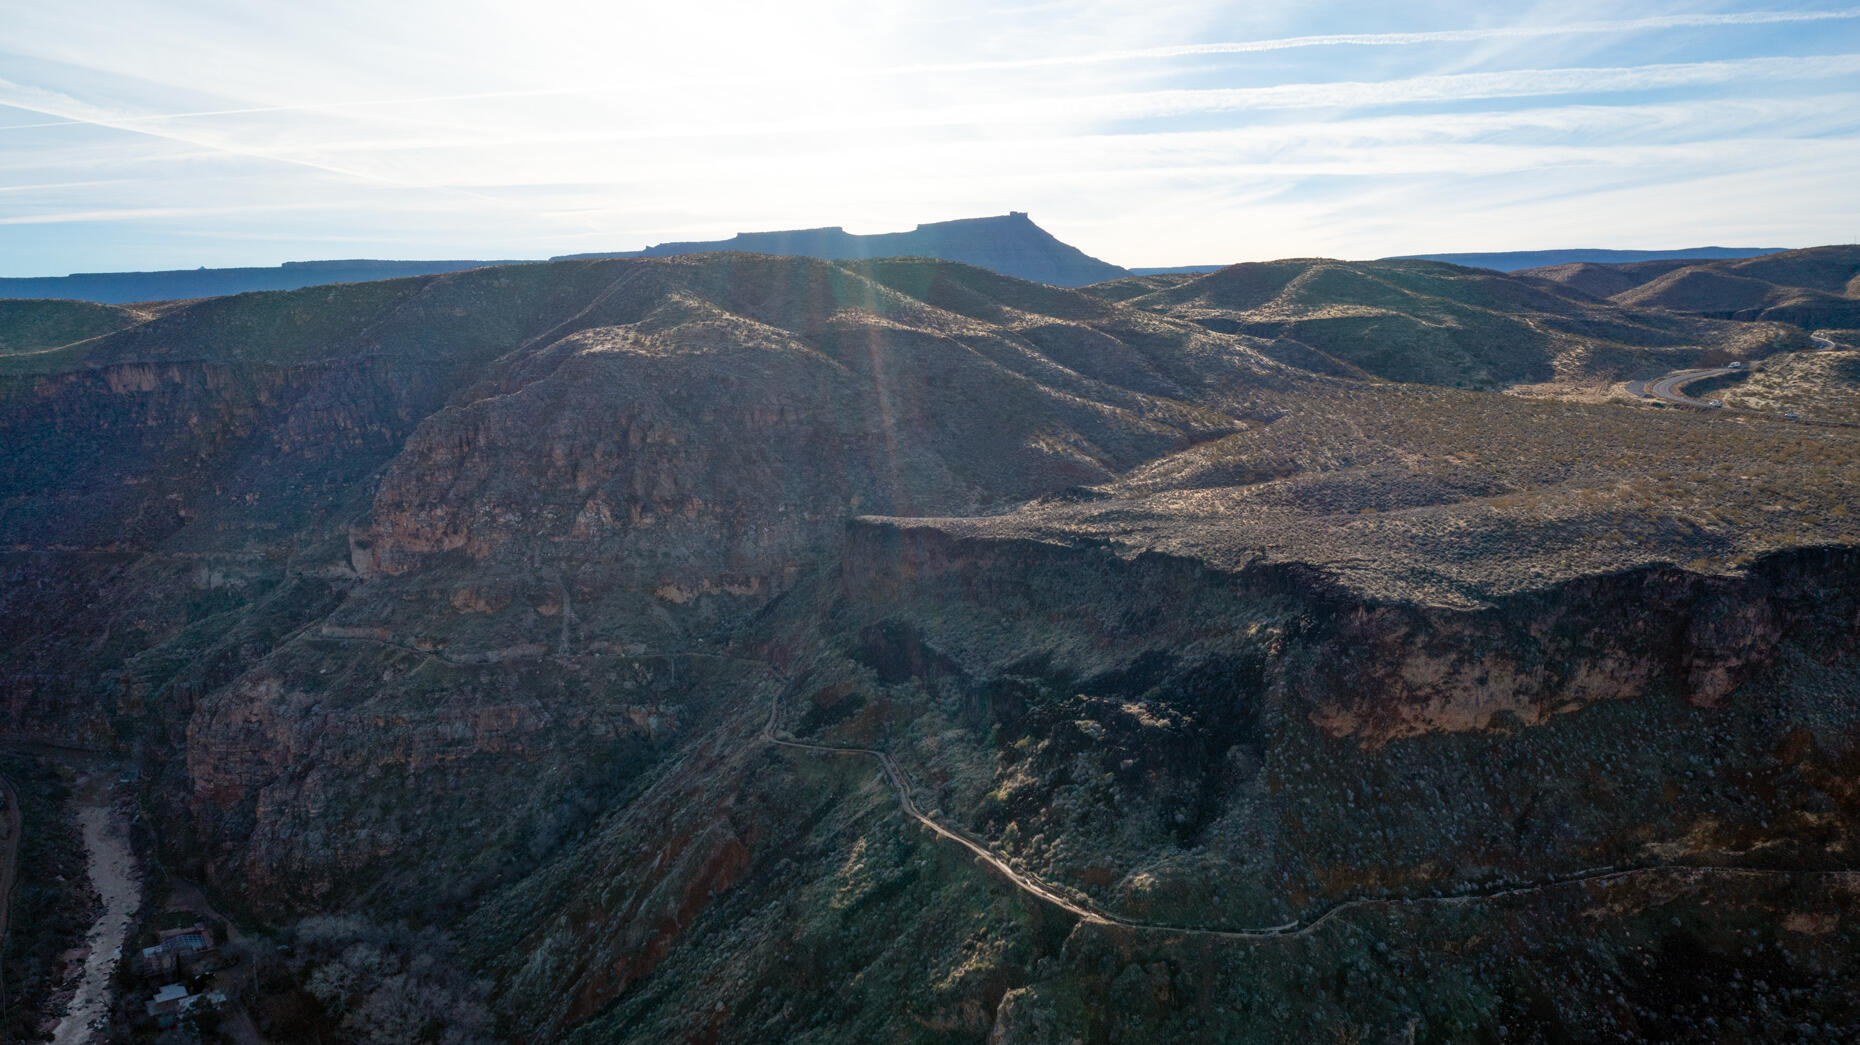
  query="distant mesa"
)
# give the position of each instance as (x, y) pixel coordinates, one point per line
(1010, 244)
(120, 288)
(1177, 270)
(1513, 260)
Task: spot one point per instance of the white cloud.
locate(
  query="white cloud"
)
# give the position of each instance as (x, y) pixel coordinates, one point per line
(1615, 27)
(1152, 135)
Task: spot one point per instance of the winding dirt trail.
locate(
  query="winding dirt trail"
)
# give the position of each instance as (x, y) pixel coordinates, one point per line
(1082, 908)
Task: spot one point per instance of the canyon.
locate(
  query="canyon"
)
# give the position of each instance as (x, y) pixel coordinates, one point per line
(610, 633)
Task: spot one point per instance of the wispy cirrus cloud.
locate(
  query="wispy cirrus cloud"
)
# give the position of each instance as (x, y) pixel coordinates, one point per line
(842, 74)
(1077, 111)
(1149, 137)
(1609, 27)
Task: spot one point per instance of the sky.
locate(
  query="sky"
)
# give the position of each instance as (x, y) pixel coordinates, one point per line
(136, 135)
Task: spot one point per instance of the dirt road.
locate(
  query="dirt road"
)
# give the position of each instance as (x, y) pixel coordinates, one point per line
(1081, 907)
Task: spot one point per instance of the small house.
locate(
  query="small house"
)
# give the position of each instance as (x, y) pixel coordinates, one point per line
(173, 1001)
(176, 946)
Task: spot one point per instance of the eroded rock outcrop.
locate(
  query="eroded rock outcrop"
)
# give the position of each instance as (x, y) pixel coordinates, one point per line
(468, 599)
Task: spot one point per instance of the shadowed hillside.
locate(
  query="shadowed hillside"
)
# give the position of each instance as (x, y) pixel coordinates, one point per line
(584, 651)
(1814, 288)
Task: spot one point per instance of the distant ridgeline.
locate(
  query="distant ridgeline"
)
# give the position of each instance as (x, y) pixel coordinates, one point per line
(116, 288)
(1513, 260)
(1010, 244)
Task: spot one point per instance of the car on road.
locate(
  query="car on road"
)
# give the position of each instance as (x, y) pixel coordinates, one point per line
(1714, 404)
(1792, 417)
(1736, 366)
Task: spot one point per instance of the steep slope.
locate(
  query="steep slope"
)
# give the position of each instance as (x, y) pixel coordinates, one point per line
(479, 601)
(1191, 716)
(615, 459)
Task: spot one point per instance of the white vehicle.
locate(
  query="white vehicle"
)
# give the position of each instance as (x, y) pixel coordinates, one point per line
(1736, 366)
(1714, 404)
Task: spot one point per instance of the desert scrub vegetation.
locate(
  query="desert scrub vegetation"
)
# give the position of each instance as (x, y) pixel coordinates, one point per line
(358, 981)
(1822, 385)
(52, 902)
(1445, 325)
(34, 326)
(1450, 496)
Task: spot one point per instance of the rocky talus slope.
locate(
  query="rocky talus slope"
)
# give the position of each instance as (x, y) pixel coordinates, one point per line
(1369, 710)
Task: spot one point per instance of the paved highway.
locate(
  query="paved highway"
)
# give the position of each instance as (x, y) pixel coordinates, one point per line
(1671, 388)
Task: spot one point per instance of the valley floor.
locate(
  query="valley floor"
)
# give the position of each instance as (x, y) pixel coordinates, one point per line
(117, 879)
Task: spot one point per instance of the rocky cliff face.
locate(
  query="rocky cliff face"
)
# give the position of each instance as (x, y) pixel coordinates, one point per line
(472, 600)
(1182, 746)
(1211, 707)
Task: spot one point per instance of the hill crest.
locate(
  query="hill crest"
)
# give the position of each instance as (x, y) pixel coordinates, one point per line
(1515, 260)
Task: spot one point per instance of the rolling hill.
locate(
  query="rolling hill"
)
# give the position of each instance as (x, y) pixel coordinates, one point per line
(1814, 288)
(1442, 324)
(1515, 260)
